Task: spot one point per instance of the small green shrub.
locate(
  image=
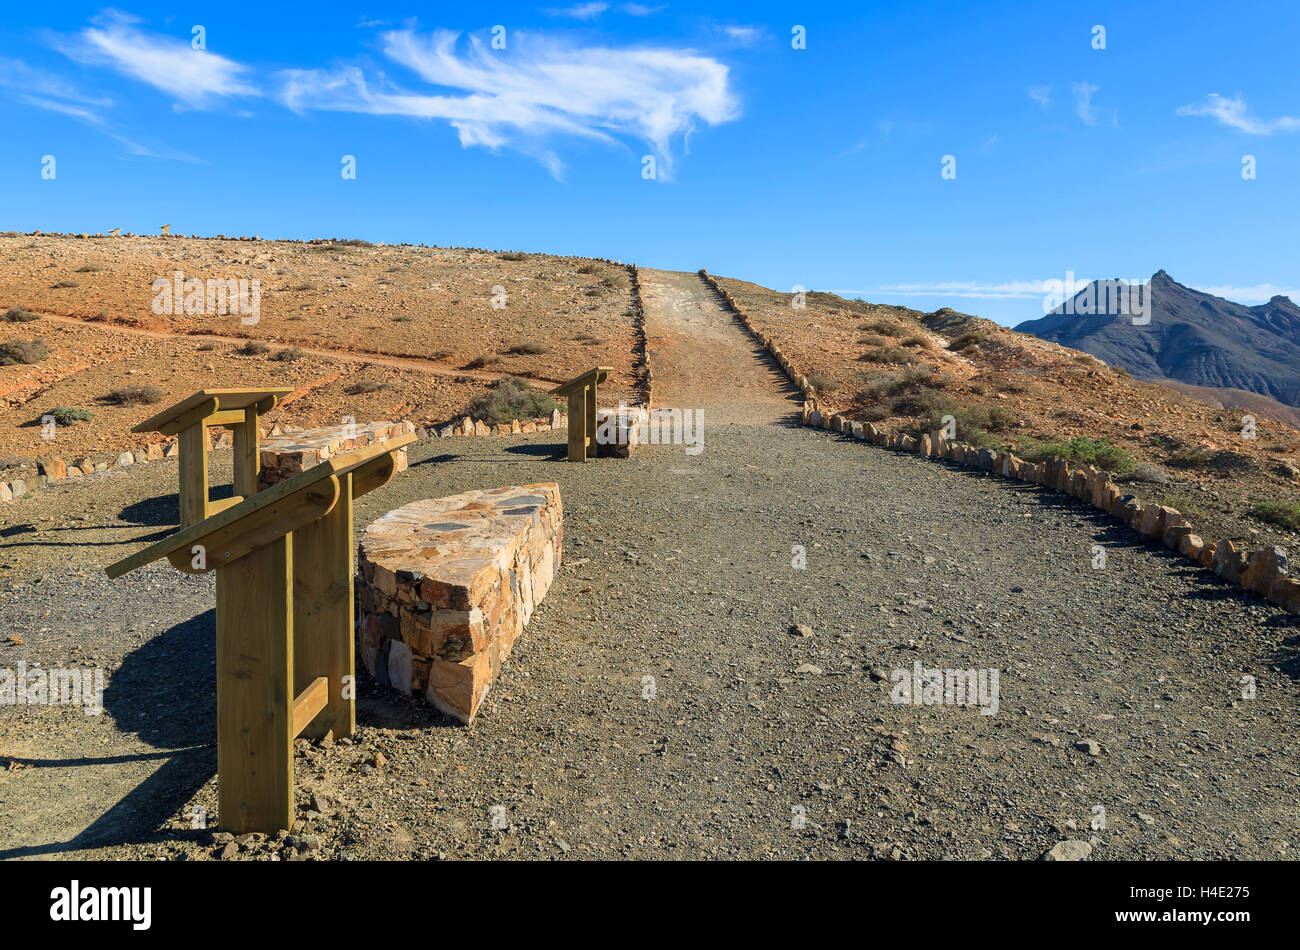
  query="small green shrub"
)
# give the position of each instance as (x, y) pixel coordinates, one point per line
(511, 256)
(823, 384)
(1284, 514)
(253, 348)
(1089, 451)
(67, 415)
(289, 355)
(508, 399)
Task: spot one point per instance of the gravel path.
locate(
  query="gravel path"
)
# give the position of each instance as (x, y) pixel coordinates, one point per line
(663, 703)
(702, 357)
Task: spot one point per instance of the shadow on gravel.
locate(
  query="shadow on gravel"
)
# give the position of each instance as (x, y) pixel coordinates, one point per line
(164, 510)
(165, 693)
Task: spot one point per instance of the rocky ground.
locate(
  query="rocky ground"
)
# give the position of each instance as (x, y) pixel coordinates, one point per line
(687, 690)
(373, 331)
(904, 370)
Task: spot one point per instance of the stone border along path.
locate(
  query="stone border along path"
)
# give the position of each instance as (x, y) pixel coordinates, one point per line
(1264, 572)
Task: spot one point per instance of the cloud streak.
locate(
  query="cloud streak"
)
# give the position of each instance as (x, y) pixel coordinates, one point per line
(1236, 115)
(541, 90)
(196, 78)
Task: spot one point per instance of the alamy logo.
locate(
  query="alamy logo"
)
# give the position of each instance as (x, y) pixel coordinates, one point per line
(53, 687)
(103, 903)
(635, 426)
(214, 297)
(1100, 298)
(921, 686)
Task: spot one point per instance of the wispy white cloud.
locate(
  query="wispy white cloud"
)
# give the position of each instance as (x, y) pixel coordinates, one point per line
(580, 11)
(543, 89)
(1086, 111)
(744, 35)
(1041, 94)
(1040, 289)
(966, 288)
(1253, 294)
(640, 9)
(1235, 114)
(365, 22)
(44, 90)
(196, 78)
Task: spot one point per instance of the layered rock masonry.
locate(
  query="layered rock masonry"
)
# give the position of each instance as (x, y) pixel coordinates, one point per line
(446, 585)
(284, 455)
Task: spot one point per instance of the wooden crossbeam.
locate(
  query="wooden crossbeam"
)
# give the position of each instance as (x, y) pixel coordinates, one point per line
(310, 702)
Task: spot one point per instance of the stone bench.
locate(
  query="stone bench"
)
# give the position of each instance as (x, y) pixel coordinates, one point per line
(446, 585)
(286, 455)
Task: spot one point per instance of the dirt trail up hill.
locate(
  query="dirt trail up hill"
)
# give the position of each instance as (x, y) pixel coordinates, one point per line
(1120, 718)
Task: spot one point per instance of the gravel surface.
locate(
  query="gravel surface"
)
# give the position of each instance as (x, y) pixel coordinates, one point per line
(680, 568)
(709, 676)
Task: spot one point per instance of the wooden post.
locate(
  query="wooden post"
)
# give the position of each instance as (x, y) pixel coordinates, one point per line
(254, 689)
(284, 629)
(192, 449)
(323, 614)
(246, 460)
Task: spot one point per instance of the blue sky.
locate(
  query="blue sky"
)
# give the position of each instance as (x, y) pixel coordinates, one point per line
(819, 167)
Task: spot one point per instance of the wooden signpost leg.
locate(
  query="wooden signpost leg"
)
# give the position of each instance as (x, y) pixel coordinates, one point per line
(246, 460)
(589, 419)
(255, 689)
(323, 614)
(578, 426)
(193, 450)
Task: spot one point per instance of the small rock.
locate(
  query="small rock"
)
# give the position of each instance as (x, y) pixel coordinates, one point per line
(800, 630)
(1089, 746)
(1069, 851)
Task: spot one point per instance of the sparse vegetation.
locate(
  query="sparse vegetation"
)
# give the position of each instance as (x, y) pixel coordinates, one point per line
(22, 351)
(889, 354)
(253, 348)
(67, 415)
(1089, 451)
(88, 269)
(511, 256)
(289, 355)
(823, 384)
(1284, 514)
(484, 359)
(134, 395)
(364, 386)
(587, 269)
(528, 348)
(967, 340)
(508, 399)
(883, 327)
(1190, 456)
(64, 284)
(1147, 472)
(19, 315)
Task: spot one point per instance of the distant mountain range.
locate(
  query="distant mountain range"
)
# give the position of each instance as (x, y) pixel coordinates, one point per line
(1192, 337)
